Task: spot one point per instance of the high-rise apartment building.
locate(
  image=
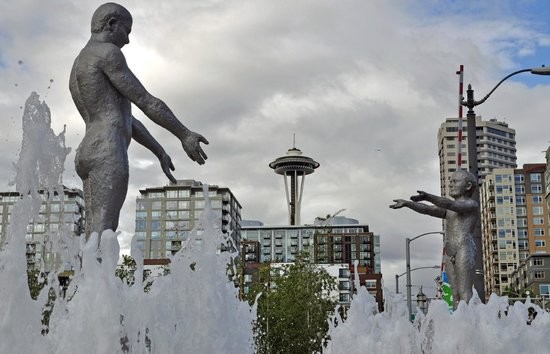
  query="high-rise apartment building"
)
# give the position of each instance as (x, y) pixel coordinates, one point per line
(166, 215)
(61, 213)
(514, 222)
(496, 148)
(533, 278)
(336, 243)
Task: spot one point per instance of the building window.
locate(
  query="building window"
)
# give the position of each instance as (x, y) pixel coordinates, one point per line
(544, 290)
(539, 274)
(155, 225)
(519, 178)
(171, 214)
(370, 284)
(537, 210)
(538, 261)
(540, 243)
(539, 232)
(520, 200)
(140, 235)
(538, 221)
(523, 245)
(536, 188)
(140, 225)
(171, 194)
(171, 204)
(522, 222)
(184, 193)
(536, 177)
(537, 199)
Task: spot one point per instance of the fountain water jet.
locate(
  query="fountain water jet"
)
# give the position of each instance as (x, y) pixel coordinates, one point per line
(475, 327)
(189, 310)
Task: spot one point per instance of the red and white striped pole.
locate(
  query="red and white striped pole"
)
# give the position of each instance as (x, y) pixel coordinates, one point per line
(460, 74)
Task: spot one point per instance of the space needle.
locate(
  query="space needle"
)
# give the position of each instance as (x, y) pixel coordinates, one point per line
(294, 167)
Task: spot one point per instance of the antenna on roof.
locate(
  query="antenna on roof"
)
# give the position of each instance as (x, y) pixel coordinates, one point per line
(294, 140)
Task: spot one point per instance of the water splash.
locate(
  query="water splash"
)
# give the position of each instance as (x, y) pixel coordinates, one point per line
(193, 309)
(494, 327)
(40, 166)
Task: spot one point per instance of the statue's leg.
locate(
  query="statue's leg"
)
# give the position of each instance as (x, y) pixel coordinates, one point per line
(464, 271)
(450, 268)
(106, 190)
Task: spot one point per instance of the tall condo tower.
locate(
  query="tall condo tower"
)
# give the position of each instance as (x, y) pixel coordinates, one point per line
(294, 167)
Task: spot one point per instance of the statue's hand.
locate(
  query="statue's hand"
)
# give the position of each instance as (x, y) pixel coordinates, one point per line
(419, 197)
(399, 203)
(191, 145)
(167, 165)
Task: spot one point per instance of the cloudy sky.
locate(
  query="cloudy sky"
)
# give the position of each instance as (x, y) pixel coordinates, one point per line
(364, 85)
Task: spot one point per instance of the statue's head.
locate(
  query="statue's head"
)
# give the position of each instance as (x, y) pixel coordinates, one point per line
(115, 21)
(462, 183)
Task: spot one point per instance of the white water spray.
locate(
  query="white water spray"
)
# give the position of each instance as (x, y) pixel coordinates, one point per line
(188, 311)
(475, 327)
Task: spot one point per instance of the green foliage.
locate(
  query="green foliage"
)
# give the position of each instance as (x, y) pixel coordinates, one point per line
(126, 272)
(36, 281)
(293, 309)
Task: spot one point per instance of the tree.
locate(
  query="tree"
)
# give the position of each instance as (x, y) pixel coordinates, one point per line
(36, 280)
(126, 272)
(294, 308)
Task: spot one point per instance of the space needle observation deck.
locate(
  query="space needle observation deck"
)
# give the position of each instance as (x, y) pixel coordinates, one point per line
(294, 167)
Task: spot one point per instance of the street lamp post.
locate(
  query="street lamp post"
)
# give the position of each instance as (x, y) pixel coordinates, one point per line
(408, 269)
(397, 276)
(470, 102)
(421, 301)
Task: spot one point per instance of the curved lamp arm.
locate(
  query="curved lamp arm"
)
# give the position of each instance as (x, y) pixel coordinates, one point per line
(470, 103)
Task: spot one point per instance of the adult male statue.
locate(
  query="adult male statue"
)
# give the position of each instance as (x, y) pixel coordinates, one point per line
(461, 216)
(103, 89)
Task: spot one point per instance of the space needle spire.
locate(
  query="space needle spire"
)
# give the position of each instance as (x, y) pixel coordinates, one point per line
(294, 167)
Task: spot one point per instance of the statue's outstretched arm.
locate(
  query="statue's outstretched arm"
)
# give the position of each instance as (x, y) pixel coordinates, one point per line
(459, 206)
(128, 85)
(421, 208)
(143, 137)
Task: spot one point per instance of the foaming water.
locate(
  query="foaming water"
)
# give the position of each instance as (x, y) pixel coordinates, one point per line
(475, 327)
(192, 310)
